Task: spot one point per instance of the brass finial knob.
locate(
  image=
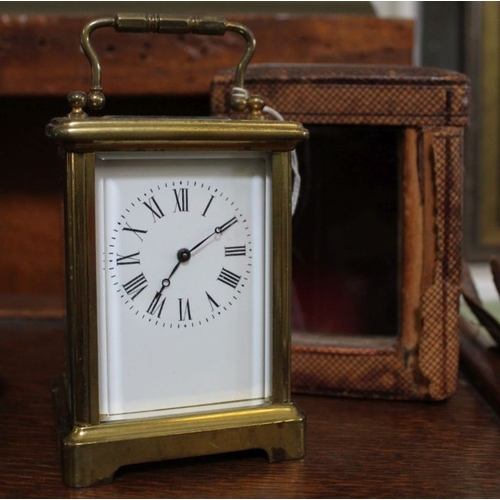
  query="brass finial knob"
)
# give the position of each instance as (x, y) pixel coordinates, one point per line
(256, 104)
(96, 99)
(238, 102)
(77, 100)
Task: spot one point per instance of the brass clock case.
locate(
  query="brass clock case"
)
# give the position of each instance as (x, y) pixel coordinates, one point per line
(93, 449)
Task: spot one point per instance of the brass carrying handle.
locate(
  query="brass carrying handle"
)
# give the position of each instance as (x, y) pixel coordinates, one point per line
(159, 23)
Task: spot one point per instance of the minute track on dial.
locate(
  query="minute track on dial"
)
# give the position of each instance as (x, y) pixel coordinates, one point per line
(203, 291)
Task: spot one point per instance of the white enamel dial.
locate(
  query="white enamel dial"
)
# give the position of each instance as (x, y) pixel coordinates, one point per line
(181, 253)
(183, 245)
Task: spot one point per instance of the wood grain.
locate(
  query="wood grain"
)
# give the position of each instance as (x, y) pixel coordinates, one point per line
(32, 306)
(480, 360)
(356, 448)
(40, 62)
(40, 55)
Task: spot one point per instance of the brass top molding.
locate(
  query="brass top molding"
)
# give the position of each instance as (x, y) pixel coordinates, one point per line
(84, 131)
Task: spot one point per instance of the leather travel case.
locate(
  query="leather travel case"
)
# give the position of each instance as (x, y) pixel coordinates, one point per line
(377, 229)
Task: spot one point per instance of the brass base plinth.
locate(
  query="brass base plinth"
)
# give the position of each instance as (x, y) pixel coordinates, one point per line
(92, 454)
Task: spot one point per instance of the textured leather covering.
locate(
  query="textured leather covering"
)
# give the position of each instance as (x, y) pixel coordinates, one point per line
(424, 368)
(430, 107)
(354, 94)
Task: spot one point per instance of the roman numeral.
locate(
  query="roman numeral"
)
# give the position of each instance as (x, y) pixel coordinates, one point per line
(181, 200)
(211, 301)
(156, 306)
(229, 278)
(125, 260)
(137, 232)
(208, 205)
(154, 208)
(136, 285)
(235, 251)
(184, 310)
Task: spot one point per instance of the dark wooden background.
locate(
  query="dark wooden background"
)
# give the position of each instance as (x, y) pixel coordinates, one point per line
(41, 62)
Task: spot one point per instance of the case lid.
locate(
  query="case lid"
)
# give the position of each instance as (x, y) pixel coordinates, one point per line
(354, 94)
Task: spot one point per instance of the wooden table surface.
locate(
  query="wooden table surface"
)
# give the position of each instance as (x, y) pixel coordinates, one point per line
(356, 448)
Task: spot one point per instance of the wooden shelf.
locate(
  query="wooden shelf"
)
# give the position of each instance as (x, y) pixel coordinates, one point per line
(42, 306)
(355, 448)
(480, 361)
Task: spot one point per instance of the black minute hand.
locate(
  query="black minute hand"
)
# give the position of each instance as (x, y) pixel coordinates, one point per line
(227, 225)
(217, 230)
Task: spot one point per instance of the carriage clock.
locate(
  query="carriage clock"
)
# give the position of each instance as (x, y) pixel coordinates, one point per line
(178, 278)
